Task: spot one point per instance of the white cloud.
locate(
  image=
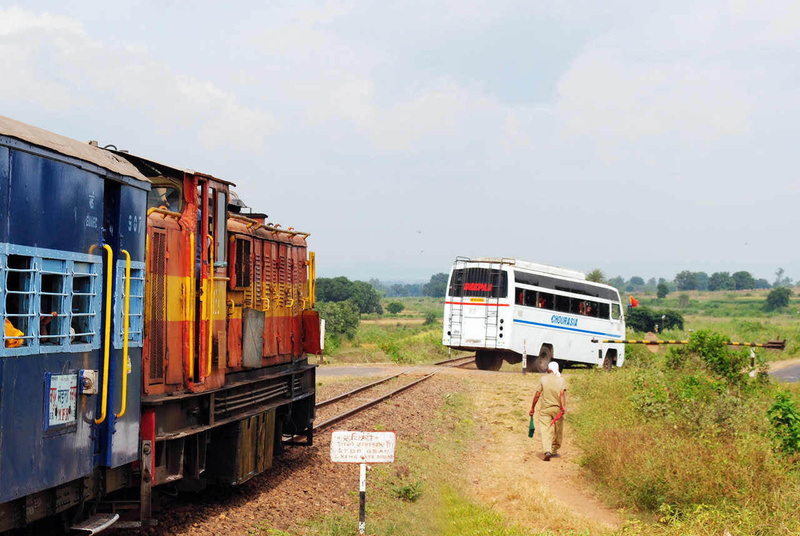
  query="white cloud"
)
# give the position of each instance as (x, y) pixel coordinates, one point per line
(51, 61)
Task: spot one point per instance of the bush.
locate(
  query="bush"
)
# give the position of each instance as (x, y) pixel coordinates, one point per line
(431, 317)
(777, 298)
(341, 318)
(395, 307)
(645, 319)
(785, 421)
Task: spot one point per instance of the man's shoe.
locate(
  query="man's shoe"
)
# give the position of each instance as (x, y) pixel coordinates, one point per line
(547, 456)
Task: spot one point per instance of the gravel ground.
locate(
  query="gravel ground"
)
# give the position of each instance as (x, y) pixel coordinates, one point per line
(303, 483)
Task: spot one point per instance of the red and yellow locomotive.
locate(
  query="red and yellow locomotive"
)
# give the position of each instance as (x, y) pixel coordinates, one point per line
(229, 324)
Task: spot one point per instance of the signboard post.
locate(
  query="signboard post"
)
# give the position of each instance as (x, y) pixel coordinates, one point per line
(362, 448)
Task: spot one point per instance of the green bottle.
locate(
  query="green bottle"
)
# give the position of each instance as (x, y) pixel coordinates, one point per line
(530, 428)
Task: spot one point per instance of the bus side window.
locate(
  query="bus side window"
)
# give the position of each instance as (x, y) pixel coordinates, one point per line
(592, 309)
(562, 304)
(545, 301)
(520, 296)
(603, 310)
(615, 311)
(530, 298)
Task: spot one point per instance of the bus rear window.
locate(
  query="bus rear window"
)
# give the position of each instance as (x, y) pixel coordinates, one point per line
(478, 282)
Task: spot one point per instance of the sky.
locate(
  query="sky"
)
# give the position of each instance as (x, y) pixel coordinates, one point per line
(641, 138)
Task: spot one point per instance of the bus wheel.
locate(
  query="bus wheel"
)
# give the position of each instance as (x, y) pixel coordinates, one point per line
(543, 359)
(608, 362)
(488, 361)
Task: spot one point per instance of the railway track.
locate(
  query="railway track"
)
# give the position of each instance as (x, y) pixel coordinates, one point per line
(456, 362)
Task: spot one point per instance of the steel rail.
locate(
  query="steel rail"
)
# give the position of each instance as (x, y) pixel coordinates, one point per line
(348, 394)
(369, 404)
(362, 407)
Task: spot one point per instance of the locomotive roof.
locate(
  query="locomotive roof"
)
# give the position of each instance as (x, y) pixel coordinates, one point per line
(69, 147)
(154, 167)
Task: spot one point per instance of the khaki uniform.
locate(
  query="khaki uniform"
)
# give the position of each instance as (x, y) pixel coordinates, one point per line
(550, 387)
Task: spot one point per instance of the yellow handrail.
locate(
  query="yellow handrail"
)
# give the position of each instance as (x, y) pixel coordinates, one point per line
(165, 212)
(312, 278)
(210, 309)
(126, 321)
(190, 307)
(107, 343)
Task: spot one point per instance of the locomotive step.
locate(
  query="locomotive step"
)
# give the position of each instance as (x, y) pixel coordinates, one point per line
(95, 524)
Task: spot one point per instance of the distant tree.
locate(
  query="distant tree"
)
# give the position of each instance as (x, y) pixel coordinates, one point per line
(780, 280)
(334, 289)
(637, 281)
(596, 275)
(398, 290)
(721, 281)
(436, 287)
(340, 289)
(377, 285)
(762, 283)
(652, 282)
(702, 280)
(777, 298)
(341, 318)
(743, 280)
(366, 297)
(617, 282)
(662, 290)
(395, 307)
(683, 301)
(686, 280)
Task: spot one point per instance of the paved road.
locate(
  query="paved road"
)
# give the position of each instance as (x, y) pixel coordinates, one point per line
(788, 374)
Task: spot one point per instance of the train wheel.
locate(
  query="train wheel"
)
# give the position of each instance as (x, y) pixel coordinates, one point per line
(543, 359)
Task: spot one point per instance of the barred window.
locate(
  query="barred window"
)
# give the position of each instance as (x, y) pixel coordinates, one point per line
(48, 301)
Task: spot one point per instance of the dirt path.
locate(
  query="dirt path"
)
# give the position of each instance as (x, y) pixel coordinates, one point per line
(508, 471)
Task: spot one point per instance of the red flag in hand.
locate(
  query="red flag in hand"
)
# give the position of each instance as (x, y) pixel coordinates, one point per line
(560, 414)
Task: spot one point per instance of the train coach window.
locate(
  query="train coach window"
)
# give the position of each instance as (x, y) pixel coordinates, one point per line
(84, 303)
(19, 299)
(242, 263)
(53, 312)
(164, 197)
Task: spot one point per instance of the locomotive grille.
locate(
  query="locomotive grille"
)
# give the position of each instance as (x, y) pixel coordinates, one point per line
(158, 293)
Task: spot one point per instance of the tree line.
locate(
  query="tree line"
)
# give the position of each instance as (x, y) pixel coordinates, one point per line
(688, 280)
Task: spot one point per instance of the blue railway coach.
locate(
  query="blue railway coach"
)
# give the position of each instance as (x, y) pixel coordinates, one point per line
(72, 240)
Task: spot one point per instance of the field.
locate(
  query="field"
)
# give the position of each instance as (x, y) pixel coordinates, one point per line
(679, 441)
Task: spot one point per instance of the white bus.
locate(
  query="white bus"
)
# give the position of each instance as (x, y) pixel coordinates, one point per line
(503, 309)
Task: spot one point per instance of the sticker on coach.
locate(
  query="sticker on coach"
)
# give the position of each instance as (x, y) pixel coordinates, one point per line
(61, 399)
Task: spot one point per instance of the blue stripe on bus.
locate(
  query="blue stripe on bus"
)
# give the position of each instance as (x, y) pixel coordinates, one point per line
(566, 329)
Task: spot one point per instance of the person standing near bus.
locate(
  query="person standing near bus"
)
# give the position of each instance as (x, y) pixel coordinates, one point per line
(552, 389)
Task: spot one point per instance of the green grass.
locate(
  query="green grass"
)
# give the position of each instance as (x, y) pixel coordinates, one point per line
(688, 451)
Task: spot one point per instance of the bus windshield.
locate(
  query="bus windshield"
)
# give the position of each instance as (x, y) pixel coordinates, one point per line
(478, 282)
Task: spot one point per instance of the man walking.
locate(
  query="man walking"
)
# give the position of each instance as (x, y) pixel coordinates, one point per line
(552, 389)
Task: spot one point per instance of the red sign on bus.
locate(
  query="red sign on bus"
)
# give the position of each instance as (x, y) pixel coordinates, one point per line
(478, 287)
